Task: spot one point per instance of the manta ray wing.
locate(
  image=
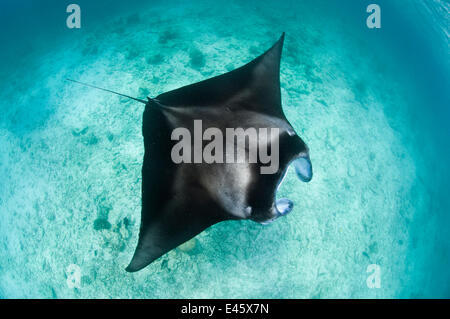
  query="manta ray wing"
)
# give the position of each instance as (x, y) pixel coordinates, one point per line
(255, 86)
(169, 217)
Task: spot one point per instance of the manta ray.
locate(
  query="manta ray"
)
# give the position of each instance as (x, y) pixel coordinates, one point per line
(180, 200)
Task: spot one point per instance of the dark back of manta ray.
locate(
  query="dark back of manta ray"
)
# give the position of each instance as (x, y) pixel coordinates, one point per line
(170, 218)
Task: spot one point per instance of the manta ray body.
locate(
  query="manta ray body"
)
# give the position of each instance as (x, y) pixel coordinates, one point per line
(181, 200)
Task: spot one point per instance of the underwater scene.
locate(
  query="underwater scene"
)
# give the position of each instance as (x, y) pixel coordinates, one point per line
(372, 104)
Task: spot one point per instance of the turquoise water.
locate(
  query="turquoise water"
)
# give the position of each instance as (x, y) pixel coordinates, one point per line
(373, 106)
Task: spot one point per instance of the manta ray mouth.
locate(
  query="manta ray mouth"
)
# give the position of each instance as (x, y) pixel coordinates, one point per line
(303, 169)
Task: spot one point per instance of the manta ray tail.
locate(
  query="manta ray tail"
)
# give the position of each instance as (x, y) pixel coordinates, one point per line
(106, 90)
